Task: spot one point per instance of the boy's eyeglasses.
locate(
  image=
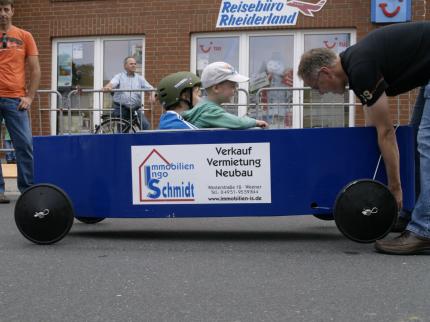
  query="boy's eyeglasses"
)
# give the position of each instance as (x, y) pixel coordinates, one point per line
(4, 39)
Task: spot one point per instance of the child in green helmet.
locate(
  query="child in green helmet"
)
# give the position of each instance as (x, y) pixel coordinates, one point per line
(178, 92)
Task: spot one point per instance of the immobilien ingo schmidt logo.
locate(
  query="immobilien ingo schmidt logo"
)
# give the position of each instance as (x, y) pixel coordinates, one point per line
(161, 180)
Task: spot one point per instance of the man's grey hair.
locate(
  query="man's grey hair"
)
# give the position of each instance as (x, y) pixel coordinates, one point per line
(126, 58)
(312, 61)
(6, 2)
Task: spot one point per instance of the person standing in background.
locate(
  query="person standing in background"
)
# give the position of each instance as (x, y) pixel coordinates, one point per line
(17, 49)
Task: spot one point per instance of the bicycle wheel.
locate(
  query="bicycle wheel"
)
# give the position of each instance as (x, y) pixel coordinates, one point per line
(114, 125)
(135, 127)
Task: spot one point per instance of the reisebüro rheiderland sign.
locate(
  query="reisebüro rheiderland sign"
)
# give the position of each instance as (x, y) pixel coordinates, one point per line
(201, 174)
(264, 13)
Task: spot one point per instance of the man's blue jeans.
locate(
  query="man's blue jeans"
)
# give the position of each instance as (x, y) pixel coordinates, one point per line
(420, 219)
(123, 112)
(10, 155)
(18, 125)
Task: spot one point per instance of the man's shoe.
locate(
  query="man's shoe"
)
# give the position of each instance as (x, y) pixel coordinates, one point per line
(400, 225)
(3, 198)
(407, 243)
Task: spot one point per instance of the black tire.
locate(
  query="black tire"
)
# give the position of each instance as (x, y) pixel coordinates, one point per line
(365, 211)
(326, 217)
(44, 214)
(90, 220)
(114, 125)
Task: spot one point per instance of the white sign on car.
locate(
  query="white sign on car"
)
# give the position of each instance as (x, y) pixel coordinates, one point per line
(201, 173)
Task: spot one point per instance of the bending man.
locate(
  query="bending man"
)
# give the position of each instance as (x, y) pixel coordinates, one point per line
(387, 62)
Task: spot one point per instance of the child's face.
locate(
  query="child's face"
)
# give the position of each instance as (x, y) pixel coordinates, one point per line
(225, 91)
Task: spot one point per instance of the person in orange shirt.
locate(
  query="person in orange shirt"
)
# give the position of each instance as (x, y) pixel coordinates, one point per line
(17, 49)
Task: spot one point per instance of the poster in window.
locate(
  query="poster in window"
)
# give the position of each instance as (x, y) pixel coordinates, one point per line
(64, 70)
(78, 51)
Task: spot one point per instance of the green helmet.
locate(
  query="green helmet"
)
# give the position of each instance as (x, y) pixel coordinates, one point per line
(171, 87)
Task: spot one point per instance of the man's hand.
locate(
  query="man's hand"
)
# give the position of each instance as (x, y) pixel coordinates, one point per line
(398, 194)
(107, 87)
(288, 78)
(152, 97)
(25, 103)
(262, 124)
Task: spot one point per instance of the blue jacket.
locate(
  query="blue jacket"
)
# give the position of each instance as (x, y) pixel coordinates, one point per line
(172, 120)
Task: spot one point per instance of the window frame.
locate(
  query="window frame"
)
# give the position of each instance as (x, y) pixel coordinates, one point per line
(299, 44)
(98, 68)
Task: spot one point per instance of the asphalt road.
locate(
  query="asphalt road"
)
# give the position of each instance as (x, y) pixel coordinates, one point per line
(224, 269)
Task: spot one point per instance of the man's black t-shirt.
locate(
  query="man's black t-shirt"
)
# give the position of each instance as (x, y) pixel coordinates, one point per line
(394, 59)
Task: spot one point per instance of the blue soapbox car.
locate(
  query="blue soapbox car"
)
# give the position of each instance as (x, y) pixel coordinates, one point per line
(326, 172)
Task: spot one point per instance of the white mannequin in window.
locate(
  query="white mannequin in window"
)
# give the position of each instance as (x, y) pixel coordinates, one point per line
(279, 76)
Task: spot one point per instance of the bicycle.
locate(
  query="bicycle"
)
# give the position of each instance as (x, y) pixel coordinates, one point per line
(114, 124)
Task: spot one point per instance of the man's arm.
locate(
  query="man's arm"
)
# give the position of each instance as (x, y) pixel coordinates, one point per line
(152, 97)
(34, 67)
(381, 118)
(114, 83)
(219, 118)
(146, 85)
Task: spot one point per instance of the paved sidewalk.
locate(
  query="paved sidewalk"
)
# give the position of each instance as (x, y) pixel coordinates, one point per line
(11, 187)
(9, 174)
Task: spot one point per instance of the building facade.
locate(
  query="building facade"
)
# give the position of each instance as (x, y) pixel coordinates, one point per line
(83, 43)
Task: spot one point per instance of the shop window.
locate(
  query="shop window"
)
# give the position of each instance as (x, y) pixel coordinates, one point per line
(270, 59)
(317, 115)
(114, 52)
(75, 65)
(271, 64)
(88, 64)
(213, 49)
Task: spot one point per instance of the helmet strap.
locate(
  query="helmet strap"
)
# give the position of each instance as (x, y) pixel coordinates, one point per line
(190, 105)
(190, 101)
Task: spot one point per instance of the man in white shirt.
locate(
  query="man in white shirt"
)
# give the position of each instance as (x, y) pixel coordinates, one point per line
(125, 102)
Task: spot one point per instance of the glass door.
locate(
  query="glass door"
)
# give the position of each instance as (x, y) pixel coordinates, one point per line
(75, 69)
(88, 64)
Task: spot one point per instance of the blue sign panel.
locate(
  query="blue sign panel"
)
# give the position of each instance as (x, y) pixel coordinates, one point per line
(208, 173)
(389, 11)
